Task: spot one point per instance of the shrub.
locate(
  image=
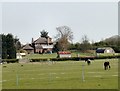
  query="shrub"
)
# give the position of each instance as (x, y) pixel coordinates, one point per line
(39, 60)
(74, 58)
(109, 57)
(62, 59)
(10, 60)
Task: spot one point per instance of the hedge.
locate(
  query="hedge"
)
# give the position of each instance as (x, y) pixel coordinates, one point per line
(65, 59)
(61, 59)
(10, 60)
(74, 58)
(107, 57)
(39, 60)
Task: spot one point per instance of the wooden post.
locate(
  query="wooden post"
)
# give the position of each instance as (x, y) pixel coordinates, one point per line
(83, 77)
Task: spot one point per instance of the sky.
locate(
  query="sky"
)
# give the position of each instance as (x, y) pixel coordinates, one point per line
(97, 20)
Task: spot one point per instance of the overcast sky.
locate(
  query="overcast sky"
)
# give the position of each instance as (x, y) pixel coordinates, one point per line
(97, 20)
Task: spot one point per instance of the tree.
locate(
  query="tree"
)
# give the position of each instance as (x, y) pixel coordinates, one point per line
(0, 47)
(11, 50)
(17, 43)
(55, 48)
(64, 37)
(4, 45)
(85, 45)
(8, 47)
(44, 33)
(113, 42)
(75, 46)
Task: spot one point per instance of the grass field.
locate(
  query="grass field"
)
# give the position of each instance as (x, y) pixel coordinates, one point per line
(60, 75)
(54, 55)
(73, 54)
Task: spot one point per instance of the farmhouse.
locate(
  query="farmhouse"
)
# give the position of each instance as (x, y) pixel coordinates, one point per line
(105, 50)
(43, 45)
(40, 45)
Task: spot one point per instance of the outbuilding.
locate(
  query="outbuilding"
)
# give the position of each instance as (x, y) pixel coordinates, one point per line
(105, 50)
(28, 48)
(64, 54)
(20, 55)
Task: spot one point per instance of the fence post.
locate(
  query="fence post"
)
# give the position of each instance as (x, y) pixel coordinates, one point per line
(83, 77)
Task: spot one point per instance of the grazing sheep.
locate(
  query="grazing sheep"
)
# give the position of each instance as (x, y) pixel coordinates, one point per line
(88, 61)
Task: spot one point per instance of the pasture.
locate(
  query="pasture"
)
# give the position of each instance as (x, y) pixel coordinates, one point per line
(60, 75)
(54, 55)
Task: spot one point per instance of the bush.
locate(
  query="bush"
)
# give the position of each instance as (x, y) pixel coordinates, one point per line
(10, 60)
(39, 60)
(109, 57)
(74, 58)
(54, 59)
(62, 59)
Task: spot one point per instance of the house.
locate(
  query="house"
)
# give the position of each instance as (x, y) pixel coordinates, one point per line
(105, 50)
(28, 48)
(43, 45)
(40, 45)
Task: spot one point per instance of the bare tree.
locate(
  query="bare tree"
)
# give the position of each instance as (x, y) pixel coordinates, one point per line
(64, 37)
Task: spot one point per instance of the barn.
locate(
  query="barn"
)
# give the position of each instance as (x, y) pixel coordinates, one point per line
(105, 50)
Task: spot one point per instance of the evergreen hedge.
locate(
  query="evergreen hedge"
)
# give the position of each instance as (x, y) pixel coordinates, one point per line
(10, 60)
(74, 58)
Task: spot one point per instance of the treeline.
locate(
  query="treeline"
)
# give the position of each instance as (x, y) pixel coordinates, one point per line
(9, 45)
(113, 42)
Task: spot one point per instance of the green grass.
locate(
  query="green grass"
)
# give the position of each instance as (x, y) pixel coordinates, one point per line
(108, 54)
(54, 55)
(73, 54)
(60, 75)
(32, 56)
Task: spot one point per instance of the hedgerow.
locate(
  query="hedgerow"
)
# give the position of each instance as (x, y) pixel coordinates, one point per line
(10, 60)
(73, 58)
